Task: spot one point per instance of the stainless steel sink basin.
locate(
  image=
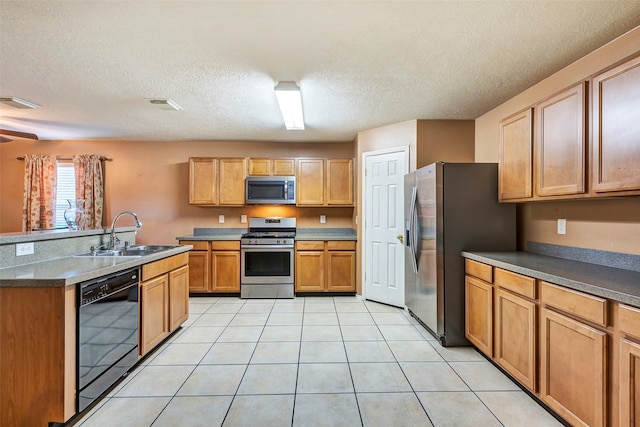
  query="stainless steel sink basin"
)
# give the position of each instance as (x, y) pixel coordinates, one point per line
(131, 251)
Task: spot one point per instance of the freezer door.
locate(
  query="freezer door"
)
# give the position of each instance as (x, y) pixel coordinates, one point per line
(410, 267)
(427, 296)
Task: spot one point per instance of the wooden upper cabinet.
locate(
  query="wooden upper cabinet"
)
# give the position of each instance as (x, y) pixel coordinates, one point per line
(232, 175)
(214, 181)
(325, 182)
(560, 143)
(271, 167)
(203, 176)
(339, 182)
(615, 146)
(515, 166)
(310, 182)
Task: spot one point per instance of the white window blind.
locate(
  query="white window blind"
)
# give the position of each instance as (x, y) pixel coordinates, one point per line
(66, 188)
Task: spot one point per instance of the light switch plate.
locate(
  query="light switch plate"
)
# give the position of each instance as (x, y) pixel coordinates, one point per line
(562, 226)
(243, 219)
(221, 219)
(24, 249)
(323, 219)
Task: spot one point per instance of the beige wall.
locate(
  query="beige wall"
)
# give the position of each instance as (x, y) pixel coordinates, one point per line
(151, 179)
(612, 224)
(445, 140)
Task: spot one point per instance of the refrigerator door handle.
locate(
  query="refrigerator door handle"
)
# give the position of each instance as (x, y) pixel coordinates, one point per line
(412, 229)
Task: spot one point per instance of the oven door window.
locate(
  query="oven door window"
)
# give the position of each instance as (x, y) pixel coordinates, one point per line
(267, 263)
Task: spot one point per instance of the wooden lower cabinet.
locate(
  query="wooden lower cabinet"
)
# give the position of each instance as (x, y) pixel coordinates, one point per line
(214, 266)
(629, 365)
(225, 270)
(629, 407)
(515, 336)
(179, 297)
(154, 310)
(325, 266)
(573, 369)
(164, 299)
(479, 314)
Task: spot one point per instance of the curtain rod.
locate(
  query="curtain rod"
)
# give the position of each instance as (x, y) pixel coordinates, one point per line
(104, 159)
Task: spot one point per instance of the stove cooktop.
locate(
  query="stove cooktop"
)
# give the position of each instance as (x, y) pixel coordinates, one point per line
(269, 234)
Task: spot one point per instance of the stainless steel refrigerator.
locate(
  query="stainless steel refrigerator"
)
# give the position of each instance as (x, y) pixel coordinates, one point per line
(449, 208)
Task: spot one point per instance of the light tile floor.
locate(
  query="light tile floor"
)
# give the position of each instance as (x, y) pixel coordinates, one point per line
(311, 361)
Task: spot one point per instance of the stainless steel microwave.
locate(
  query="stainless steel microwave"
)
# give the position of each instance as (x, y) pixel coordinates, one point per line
(271, 190)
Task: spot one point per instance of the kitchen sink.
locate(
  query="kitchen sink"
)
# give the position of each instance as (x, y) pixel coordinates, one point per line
(131, 251)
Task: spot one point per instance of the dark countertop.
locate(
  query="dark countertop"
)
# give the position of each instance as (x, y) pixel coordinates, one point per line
(74, 269)
(607, 282)
(210, 234)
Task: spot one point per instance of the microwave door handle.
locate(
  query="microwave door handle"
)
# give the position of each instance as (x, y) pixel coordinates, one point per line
(286, 190)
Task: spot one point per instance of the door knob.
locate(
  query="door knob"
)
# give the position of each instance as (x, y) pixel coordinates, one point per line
(399, 237)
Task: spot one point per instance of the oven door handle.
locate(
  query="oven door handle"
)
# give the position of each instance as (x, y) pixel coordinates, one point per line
(249, 247)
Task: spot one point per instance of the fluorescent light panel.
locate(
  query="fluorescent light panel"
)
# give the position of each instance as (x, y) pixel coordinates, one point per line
(16, 102)
(290, 102)
(165, 104)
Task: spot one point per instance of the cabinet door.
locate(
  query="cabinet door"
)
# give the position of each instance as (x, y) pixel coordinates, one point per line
(514, 168)
(478, 301)
(283, 167)
(232, 187)
(616, 128)
(203, 188)
(225, 271)
(573, 369)
(310, 182)
(309, 271)
(339, 182)
(178, 297)
(560, 142)
(199, 271)
(154, 324)
(259, 167)
(629, 383)
(515, 337)
(341, 271)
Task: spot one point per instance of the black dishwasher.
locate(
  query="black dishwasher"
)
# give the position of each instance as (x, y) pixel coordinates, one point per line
(107, 333)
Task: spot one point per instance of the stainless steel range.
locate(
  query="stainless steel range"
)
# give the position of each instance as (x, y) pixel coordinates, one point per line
(267, 258)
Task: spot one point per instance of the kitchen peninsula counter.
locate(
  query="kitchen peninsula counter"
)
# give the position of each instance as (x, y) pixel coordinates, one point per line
(613, 283)
(74, 269)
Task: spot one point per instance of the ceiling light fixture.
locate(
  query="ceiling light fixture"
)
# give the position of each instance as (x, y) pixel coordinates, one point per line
(16, 102)
(165, 104)
(290, 102)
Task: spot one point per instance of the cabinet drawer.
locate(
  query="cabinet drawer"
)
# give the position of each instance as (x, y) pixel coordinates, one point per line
(338, 245)
(164, 265)
(225, 245)
(629, 320)
(589, 307)
(523, 285)
(479, 270)
(310, 246)
(198, 245)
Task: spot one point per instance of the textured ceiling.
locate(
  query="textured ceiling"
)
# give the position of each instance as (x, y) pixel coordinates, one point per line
(360, 65)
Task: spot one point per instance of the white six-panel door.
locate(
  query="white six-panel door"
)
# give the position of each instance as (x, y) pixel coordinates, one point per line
(384, 226)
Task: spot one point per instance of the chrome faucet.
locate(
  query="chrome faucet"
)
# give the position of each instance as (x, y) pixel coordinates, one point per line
(113, 241)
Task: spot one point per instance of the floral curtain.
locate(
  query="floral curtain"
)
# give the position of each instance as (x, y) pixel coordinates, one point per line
(90, 187)
(40, 180)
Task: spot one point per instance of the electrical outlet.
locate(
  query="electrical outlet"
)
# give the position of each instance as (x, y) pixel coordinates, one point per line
(323, 219)
(562, 226)
(221, 219)
(24, 249)
(243, 219)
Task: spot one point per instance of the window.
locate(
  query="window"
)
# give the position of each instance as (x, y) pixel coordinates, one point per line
(66, 189)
